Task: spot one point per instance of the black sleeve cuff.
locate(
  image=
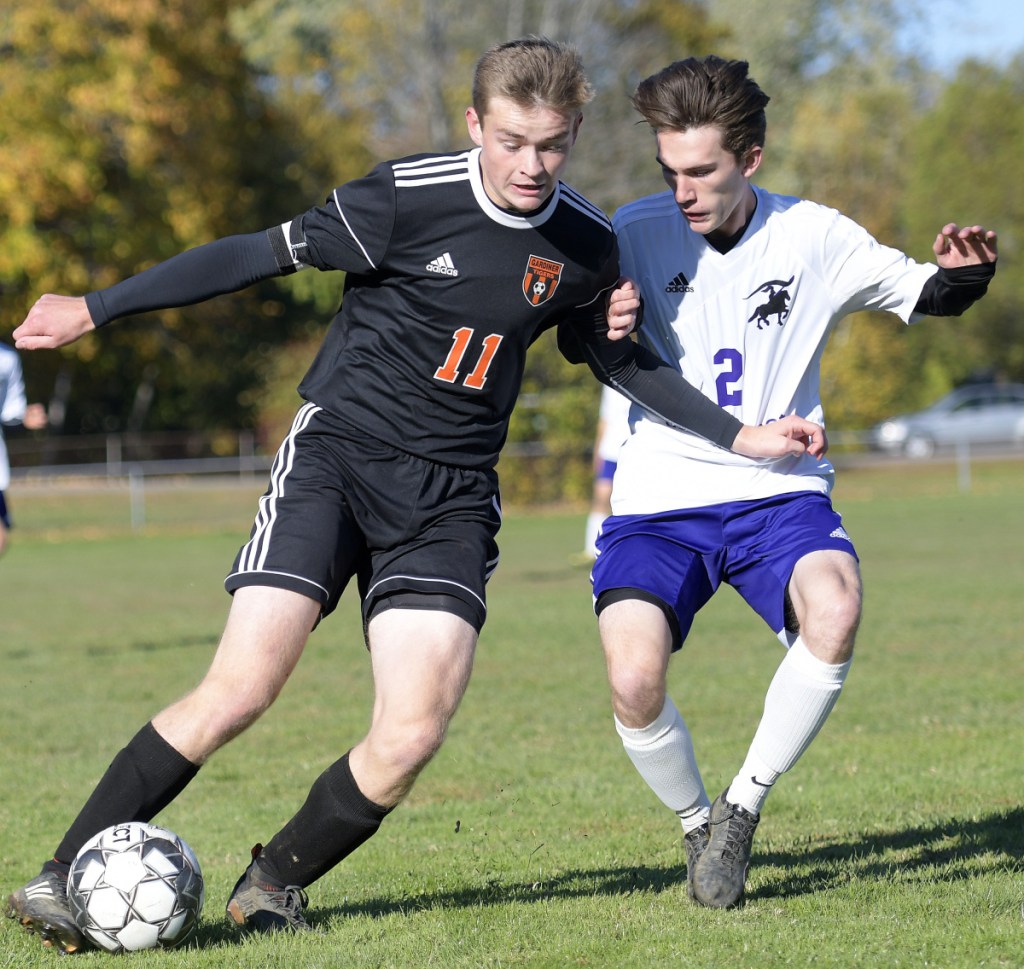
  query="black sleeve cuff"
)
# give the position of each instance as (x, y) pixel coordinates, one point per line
(951, 291)
(97, 310)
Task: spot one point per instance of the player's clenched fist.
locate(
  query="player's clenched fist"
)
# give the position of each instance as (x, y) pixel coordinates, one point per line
(623, 309)
(54, 321)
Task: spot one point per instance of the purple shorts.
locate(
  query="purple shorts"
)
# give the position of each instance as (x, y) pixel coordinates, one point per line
(678, 559)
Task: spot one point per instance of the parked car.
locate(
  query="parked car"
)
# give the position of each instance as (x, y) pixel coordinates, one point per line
(972, 414)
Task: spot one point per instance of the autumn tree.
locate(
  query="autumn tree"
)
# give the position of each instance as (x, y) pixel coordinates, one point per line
(964, 169)
(132, 129)
(129, 131)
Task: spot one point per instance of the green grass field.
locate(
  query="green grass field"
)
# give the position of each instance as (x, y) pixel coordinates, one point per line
(530, 841)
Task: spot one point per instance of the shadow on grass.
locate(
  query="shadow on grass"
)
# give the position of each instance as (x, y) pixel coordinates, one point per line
(570, 884)
(946, 850)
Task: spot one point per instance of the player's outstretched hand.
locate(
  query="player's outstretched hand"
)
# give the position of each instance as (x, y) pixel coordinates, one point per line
(54, 321)
(623, 309)
(789, 436)
(969, 246)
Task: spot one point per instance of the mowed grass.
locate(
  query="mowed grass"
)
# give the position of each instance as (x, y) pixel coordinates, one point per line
(530, 841)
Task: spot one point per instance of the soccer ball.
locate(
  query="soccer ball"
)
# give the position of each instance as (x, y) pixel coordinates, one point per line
(135, 886)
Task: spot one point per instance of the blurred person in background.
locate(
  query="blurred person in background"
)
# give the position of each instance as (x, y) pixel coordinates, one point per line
(612, 431)
(13, 411)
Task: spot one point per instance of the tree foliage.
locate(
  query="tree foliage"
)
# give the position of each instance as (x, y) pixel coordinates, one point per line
(967, 150)
(129, 131)
(132, 129)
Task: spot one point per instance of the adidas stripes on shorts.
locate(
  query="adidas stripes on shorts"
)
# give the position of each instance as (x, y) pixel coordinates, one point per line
(339, 504)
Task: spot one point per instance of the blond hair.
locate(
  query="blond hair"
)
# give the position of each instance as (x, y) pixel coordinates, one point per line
(533, 72)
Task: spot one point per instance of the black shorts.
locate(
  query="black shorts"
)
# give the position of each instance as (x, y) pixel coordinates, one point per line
(342, 504)
(5, 515)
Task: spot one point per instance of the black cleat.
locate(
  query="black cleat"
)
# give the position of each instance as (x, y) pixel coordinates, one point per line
(264, 906)
(42, 907)
(694, 842)
(720, 875)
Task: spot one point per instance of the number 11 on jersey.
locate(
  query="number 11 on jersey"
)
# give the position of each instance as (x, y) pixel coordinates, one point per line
(449, 370)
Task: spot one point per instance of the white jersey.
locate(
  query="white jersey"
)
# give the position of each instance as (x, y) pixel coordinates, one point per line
(12, 404)
(614, 415)
(748, 328)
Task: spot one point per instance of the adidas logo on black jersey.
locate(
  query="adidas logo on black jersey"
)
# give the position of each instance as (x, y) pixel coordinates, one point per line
(443, 265)
(680, 284)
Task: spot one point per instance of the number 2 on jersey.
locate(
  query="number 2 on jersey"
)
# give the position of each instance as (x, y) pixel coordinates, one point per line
(733, 371)
(449, 370)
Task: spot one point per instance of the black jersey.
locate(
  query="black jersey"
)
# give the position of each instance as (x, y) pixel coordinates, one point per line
(444, 294)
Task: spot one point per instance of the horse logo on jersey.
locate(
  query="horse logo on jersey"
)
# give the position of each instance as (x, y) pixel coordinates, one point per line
(776, 305)
(541, 279)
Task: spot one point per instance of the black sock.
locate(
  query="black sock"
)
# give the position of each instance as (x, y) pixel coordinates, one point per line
(139, 783)
(335, 820)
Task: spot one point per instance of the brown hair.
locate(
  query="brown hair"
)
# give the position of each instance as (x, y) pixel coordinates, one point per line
(533, 71)
(706, 92)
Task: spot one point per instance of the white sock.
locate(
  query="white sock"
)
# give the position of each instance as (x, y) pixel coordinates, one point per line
(663, 754)
(801, 695)
(594, 521)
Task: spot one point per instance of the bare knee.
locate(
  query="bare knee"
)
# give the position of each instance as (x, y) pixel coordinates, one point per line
(637, 644)
(234, 705)
(421, 664)
(638, 695)
(264, 637)
(403, 750)
(827, 598)
(214, 713)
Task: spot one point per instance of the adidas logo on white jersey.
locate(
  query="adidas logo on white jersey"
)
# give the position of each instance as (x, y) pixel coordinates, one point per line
(443, 265)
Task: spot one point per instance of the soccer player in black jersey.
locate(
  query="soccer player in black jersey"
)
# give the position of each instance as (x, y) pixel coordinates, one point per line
(455, 264)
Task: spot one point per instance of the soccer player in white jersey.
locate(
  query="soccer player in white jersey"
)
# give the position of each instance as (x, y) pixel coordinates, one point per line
(741, 289)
